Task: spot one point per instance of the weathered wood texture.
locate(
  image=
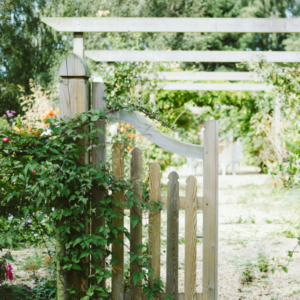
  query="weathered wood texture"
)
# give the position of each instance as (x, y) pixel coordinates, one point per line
(118, 268)
(174, 24)
(172, 235)
(98, 159)
(154, 239)
(148, 130)
(136, 175)
(204, 76)
(74, 66)
(182, 201)
(78, 43)
(193, 56)
(213, 86)
(210, 211)
(181, 296)
(74, 97)
(99, 102)
(190, 238)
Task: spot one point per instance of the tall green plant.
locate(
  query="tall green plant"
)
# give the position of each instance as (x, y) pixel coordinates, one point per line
(41, 183)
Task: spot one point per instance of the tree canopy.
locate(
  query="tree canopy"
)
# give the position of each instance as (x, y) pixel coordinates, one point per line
(29, 49)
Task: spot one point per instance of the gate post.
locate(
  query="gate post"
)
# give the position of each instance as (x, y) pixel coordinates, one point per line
(74, 97)
(210, 211)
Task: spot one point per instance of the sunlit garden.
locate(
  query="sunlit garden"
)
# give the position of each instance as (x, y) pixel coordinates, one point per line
(150, 151)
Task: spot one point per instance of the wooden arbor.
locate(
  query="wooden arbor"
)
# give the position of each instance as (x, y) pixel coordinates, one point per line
(75, 97)
(210, 153)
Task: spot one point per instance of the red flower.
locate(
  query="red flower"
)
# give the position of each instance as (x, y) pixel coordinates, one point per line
(34, 171)
(8, 272)
(6, 139)
(286, 148)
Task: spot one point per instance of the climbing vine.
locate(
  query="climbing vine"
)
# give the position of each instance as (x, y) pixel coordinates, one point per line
(46, 192)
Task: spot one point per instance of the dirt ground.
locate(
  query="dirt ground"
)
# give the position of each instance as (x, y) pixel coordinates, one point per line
(254, 224)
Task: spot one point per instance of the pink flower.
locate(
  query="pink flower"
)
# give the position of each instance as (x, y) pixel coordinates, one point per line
(8, 273)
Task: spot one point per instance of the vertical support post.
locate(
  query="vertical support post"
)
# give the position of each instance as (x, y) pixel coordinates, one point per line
(117, 287)
(190, 238)
(78, 43)
(136, 174)
(74, 97)
(172, 234)
(210, 211)
(277, 122)
(154, 241)
(98, 159)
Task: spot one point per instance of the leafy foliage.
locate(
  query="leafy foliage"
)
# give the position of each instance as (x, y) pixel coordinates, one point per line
(45, 182)
(32, 50)
(29, 50)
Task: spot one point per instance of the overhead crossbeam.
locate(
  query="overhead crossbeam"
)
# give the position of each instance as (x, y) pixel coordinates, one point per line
(195, 76)
(192, 56)
(267, 25)
(214, 86)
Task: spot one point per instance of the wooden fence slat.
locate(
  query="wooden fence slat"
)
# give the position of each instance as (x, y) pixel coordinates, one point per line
(172, 235)
(136, 174)
(190, 238)
(99, 156)
(118, 268)
(210, 211)
(154, 240)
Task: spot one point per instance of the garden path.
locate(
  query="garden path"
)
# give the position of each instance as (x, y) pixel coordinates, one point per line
(256, 224)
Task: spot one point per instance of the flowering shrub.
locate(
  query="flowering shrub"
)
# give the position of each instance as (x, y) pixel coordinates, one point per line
(5, 268)
(48, 190)
(35, 104)
(43, 173)
(9, 115)
(283, 155)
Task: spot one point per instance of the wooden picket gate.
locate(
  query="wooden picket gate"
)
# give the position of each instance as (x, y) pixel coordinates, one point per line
(74, 97)
(172, 203)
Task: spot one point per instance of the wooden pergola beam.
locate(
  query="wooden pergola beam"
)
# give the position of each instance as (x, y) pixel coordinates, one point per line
(195, 76)
(214, 86)
(192, 56)
(82, 24)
